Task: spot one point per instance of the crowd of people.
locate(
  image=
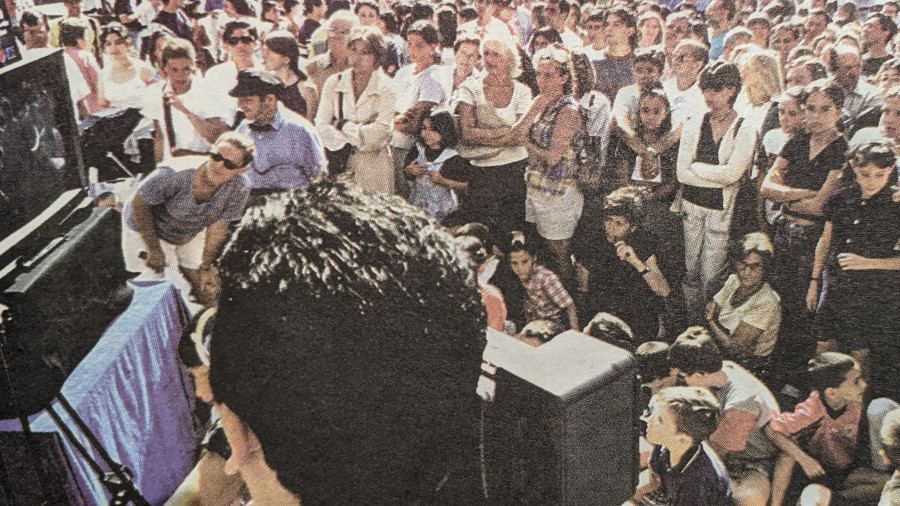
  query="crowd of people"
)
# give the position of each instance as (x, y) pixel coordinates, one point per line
(718, 175)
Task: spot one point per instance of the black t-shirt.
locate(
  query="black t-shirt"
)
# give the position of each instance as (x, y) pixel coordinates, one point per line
(615, 286)
(802, 172)
(176, 21)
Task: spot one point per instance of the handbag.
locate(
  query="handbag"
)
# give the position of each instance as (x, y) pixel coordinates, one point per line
(337, 159)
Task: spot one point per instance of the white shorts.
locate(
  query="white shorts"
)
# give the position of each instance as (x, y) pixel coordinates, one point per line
(555, 215)
(188, 255)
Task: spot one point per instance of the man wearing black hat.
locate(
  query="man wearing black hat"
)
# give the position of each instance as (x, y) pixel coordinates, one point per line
(289, 153)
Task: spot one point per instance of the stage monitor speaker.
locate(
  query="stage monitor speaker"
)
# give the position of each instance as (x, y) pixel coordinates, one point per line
(560, 425)
(36, 472)
(59, 308)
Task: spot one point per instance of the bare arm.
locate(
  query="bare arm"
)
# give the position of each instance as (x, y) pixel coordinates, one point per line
(209, 128)
(568, 123)
(815, 282)
(741, 342)
(774, 188)
(652, 484)
(573, 317)
(499, 137)
(810, 466)
(311, 96)
(813, 205)
(216, 234)
(143, 221)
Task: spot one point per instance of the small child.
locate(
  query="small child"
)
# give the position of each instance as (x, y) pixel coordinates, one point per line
(545, 296)
(822, 434)
(439, 171)
(683, 470)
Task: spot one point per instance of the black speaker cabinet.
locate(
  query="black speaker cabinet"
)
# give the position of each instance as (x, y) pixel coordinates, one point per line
(559, 428)
(35, 472)
(59, 306)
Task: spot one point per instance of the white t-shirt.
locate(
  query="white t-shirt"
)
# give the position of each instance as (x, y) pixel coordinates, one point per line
(571, 40)
(471, 92)
(430, 85)
(684, 104)
(625, 106)
(761, 311)
(198, 101)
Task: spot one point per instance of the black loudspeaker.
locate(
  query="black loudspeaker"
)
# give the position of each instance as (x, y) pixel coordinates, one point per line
(35, 472)
(59, 304)
(559, 428)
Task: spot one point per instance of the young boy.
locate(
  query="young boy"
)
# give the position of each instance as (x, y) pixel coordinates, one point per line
(823, 434)
(683, 470)
(747, 406)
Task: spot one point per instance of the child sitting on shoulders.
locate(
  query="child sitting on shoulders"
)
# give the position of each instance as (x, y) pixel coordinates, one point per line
(683, 470)
(439, 171)
(823, 436)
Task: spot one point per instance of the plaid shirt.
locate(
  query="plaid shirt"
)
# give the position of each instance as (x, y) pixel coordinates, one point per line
(552, 180)
(546, 297)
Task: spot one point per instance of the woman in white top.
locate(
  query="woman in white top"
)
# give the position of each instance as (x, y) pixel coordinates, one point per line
(124, 78)
(744, 317)
(716, 150)
(366, 111)
(489, 105)
(418, 87)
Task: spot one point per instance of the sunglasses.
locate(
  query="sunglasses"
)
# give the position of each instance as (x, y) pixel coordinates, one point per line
(246, 39)
(216, 157)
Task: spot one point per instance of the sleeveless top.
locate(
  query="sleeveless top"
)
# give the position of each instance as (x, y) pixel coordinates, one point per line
(292, 99)
(707, 152)
(131, 93)
(539, 176)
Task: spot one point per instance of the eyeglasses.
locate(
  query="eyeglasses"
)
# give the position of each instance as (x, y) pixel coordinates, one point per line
(246, 39)
(230, 165)
(338, 31)
(741, 266)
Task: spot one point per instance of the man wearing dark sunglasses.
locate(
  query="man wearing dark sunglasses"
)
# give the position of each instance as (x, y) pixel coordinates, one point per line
(177, 221)
(289, 152)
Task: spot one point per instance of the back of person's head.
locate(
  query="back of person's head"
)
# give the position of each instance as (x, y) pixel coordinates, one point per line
(696, 410)
(243, 7)
(890, 437)
(828, 370)
(329, 296)
(627, 202)
(544, 330)
(611, 329)
(467, 13)
(444, 124)
(71, 30)
(652, 359)
(695, 351)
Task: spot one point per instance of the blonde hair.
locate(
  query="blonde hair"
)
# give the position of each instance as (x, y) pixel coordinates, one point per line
(765, 63)
(562, 59)
(240, 141)
(515, 67)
